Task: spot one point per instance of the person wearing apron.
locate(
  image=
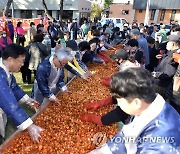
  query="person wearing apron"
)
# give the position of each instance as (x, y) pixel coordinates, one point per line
(11, 93)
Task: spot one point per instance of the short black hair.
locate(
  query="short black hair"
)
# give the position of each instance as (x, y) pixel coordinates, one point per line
(19, 24)
(96, 33)
(133, 83)
(14, 51)
(38, 38)
(93, 27)
(116, 29)
(84, 45)
(32, 23)
(150, 40)
(177, 29)
(94, 40)
(133, 43)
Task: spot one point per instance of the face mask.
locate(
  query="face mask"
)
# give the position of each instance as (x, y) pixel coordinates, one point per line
(118, 63)
(174, 33)
(4, 35)
(73, 53)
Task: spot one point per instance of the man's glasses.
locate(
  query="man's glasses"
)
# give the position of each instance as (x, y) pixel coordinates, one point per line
(20, 61)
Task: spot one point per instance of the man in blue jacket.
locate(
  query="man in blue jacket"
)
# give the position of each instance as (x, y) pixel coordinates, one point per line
(10, 93)
(51, 76)
(135, 34)
(155, 125)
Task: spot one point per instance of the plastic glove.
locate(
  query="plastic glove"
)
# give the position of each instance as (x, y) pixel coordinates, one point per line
(54, 99)
(34, 132)
(104, 57)
(88, 117)
(58, 46)
(66, 93)
(96, 105)
(33, 103)
(89, 73)
(85, 76)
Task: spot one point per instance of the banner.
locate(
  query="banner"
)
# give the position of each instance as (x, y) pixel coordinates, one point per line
(25, 22)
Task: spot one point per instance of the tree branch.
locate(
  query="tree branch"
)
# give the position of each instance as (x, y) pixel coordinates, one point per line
(6, 9)
(61, 10)
(46, 10)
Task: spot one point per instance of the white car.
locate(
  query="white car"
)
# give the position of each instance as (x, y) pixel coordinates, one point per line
(118, 22)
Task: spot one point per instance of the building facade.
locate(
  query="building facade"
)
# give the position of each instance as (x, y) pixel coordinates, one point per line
(33, 8)
(99, 2)
(121, 10)
(161, 11)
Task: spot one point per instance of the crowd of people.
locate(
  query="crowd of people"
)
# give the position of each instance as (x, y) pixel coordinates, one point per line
(149, 75)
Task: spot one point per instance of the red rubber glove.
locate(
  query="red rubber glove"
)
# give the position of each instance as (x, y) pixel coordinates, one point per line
(88, 117)
(106, 82)
(96, 105)
(106, 78)
(106, 59)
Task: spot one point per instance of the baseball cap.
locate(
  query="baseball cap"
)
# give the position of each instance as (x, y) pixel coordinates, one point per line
(173, 38)
(135, 32)
(120, 54)
(125, 25)
(72, 44)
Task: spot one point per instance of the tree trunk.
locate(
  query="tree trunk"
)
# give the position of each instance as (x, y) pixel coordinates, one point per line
(6, 9)
(61, 10)
(46, 10)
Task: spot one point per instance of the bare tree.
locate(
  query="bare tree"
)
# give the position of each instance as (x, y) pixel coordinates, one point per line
(6, 9)
(46, 10)
(61, 9)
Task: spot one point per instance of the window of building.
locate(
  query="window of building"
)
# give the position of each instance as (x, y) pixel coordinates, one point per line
(26, 14)
(173, 14)
(162, 15)
(140, 11)
(67, 14)
(50, 12)
(125, 12)
(40, 13)
(152, 14)
(118, 21)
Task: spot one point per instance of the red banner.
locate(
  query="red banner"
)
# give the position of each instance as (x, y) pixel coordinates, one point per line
(25, 22)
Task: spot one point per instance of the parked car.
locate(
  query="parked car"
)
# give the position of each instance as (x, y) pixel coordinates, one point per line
(118, 22)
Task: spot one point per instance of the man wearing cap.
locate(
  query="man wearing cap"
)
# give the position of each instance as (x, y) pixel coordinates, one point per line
(167, 67)
(166, 71)
(125, 31)
(135, 34)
